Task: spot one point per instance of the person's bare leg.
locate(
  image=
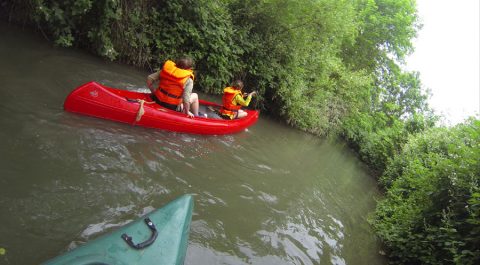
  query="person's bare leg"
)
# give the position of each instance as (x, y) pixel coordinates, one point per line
(194, 103)
(241, 114)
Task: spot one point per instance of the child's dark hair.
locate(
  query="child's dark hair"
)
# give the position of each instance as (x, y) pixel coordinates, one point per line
(184, 62)
(237, 84)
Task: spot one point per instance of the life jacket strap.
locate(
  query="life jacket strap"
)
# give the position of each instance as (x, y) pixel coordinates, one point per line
(170, 95)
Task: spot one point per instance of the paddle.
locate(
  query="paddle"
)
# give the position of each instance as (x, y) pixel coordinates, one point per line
(216, 110)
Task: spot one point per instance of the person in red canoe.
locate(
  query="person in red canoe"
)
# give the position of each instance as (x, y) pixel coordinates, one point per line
(175, 87)
(233, 99)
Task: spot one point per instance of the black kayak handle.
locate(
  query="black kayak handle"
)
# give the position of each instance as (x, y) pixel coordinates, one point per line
(148, 242)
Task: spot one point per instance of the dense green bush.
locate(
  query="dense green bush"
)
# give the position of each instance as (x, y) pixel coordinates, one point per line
(296, 60)
(431, 213)
(145, 33)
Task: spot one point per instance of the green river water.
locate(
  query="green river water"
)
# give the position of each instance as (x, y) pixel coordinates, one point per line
(269, 195)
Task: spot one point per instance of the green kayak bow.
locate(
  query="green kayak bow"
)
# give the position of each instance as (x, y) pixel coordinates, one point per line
(160, 237)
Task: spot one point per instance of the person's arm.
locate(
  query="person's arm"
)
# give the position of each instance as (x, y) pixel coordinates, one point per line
(244, 102)
(151, 79)
(187, 92)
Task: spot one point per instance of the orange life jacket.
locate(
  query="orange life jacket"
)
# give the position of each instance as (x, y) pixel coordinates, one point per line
(172, 81)
(228, 108)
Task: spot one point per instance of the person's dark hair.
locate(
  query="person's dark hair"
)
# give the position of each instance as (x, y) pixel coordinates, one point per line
(184, 62)
(237, 84)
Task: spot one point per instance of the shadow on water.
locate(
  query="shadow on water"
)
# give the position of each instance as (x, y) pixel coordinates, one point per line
(268, 195)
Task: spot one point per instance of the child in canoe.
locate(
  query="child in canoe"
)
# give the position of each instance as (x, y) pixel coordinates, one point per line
(175, 85)
(233, 100)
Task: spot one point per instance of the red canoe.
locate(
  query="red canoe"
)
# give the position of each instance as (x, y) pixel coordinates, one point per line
(99, 101)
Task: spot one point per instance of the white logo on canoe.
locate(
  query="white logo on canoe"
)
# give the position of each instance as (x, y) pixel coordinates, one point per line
(94, 93)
